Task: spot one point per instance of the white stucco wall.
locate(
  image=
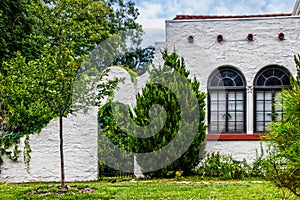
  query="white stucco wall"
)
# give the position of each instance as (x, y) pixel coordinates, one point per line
(206, 54)
(239, 150)
(80, 148)
(80, 142)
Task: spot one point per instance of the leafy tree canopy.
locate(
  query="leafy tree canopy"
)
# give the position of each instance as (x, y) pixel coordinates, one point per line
(44, 44)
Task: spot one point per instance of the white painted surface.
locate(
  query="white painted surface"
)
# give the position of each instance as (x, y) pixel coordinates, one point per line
(239, 150)
(80, 148)
(205, 54)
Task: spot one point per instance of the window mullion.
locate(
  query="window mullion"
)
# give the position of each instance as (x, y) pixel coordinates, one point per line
(235, 112)
(264, 111)
(226, 111)
(273, 106)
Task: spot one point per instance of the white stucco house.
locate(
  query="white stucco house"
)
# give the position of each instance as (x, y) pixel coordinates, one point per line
(242, 62)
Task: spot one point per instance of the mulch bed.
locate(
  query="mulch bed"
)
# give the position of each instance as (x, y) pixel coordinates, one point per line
(59, 191)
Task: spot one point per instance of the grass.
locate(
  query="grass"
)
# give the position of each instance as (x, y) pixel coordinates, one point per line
(150, 189)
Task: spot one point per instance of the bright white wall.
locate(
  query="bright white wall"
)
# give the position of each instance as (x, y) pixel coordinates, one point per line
(80, 148)
(205, 54)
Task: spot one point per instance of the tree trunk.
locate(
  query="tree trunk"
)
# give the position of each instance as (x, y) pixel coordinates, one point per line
(62, 164)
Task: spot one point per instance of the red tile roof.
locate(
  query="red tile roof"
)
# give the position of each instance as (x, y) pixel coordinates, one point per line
(195, 17)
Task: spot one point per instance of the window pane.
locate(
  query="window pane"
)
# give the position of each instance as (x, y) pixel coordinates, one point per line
(268, 73)
(268, 106)
(239, 81)
(222, 116)
(259, 106)
(222, 106)
(273, 81)
(231, 106)
(239, 116)
(214, 106)
(240, 126)
(231, 127)
(268, 95)
(222, 96)
(214, 82)
(260, 127)
(239, 96)
(260, 81)
(227, 82)
(259, 95)
(214, 116)
(278, 73)
(240, 106)
(222, 127)
(213, 96)
(231, 116)
(213, 127)
(268, 116)
(286, 80)
(259, 116)
(231, 96)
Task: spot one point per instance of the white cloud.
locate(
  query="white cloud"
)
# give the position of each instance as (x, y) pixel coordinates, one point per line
(149, 13)
(153, 13)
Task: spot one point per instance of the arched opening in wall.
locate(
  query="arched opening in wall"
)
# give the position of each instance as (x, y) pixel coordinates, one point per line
(226, 101)
(268, 82)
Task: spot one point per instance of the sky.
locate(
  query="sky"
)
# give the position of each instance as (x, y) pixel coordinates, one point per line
(153, 13)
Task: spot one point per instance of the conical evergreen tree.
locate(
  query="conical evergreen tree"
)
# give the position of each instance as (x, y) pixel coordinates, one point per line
(184, 117)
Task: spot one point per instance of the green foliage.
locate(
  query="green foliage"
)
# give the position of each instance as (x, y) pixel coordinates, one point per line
(137, 60)
(284, 138)
(223, 167)
(18, 29)
(260, 165)
(118, 137)
(27, 151)
(157, 94)
(153, 94)
(24, 111)
(44, 43)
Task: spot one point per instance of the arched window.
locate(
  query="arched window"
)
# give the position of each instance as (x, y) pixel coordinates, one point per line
(267, 83)
(226, 101)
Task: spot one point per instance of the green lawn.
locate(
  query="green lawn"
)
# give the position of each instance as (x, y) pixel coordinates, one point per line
(153, 189)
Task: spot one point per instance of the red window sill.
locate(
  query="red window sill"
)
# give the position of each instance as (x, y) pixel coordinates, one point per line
(224, 137)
